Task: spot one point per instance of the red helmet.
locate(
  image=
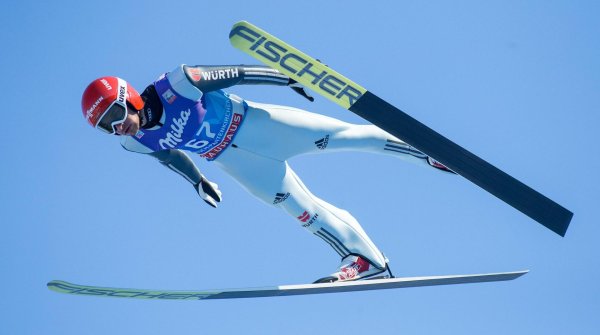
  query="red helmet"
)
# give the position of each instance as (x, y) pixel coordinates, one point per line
(104, 102)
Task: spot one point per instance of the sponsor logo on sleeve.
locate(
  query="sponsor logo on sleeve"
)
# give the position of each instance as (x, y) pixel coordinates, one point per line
(169, 96)
(220, 74)
(194, 73)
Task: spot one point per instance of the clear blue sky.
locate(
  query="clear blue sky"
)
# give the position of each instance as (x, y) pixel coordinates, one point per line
(515, 82)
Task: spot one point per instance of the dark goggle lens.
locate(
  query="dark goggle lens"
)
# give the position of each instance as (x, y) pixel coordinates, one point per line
(116, 114)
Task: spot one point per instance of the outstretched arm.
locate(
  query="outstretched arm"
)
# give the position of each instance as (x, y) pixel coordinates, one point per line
(211, 78)
(178, 161)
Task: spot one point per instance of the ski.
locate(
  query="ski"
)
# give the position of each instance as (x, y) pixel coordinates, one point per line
(332, 85)
(278, 291)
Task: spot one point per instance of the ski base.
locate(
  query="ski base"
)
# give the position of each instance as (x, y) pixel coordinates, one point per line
(284, 290)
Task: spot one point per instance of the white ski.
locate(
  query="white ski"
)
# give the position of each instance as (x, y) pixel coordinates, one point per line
(284, 290)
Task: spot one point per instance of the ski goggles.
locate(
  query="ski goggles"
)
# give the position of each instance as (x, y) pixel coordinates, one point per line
(116, 113)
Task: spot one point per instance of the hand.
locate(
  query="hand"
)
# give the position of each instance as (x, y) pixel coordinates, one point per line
(208, 191)
(298, 88)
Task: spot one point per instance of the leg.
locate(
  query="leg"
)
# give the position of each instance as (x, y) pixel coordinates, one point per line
(275, 183)
(281, 132)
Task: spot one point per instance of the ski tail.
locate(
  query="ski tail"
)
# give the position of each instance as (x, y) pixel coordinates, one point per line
(458, 159)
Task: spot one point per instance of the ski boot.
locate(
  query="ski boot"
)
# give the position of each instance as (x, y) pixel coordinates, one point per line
(356, 267)
(438, 165)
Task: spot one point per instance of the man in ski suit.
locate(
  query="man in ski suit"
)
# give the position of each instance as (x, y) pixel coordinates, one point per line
(187, 110)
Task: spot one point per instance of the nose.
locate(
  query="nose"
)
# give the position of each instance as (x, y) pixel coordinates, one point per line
(119, 128)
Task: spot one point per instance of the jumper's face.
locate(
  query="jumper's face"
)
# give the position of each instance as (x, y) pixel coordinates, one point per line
(131, 125)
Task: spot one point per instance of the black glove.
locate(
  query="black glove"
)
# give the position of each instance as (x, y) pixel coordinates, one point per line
(298, 88)
(208, 191)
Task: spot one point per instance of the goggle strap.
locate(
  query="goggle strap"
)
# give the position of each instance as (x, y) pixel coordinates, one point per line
(122, 92)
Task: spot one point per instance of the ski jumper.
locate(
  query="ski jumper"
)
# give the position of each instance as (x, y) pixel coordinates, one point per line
(189, 111)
